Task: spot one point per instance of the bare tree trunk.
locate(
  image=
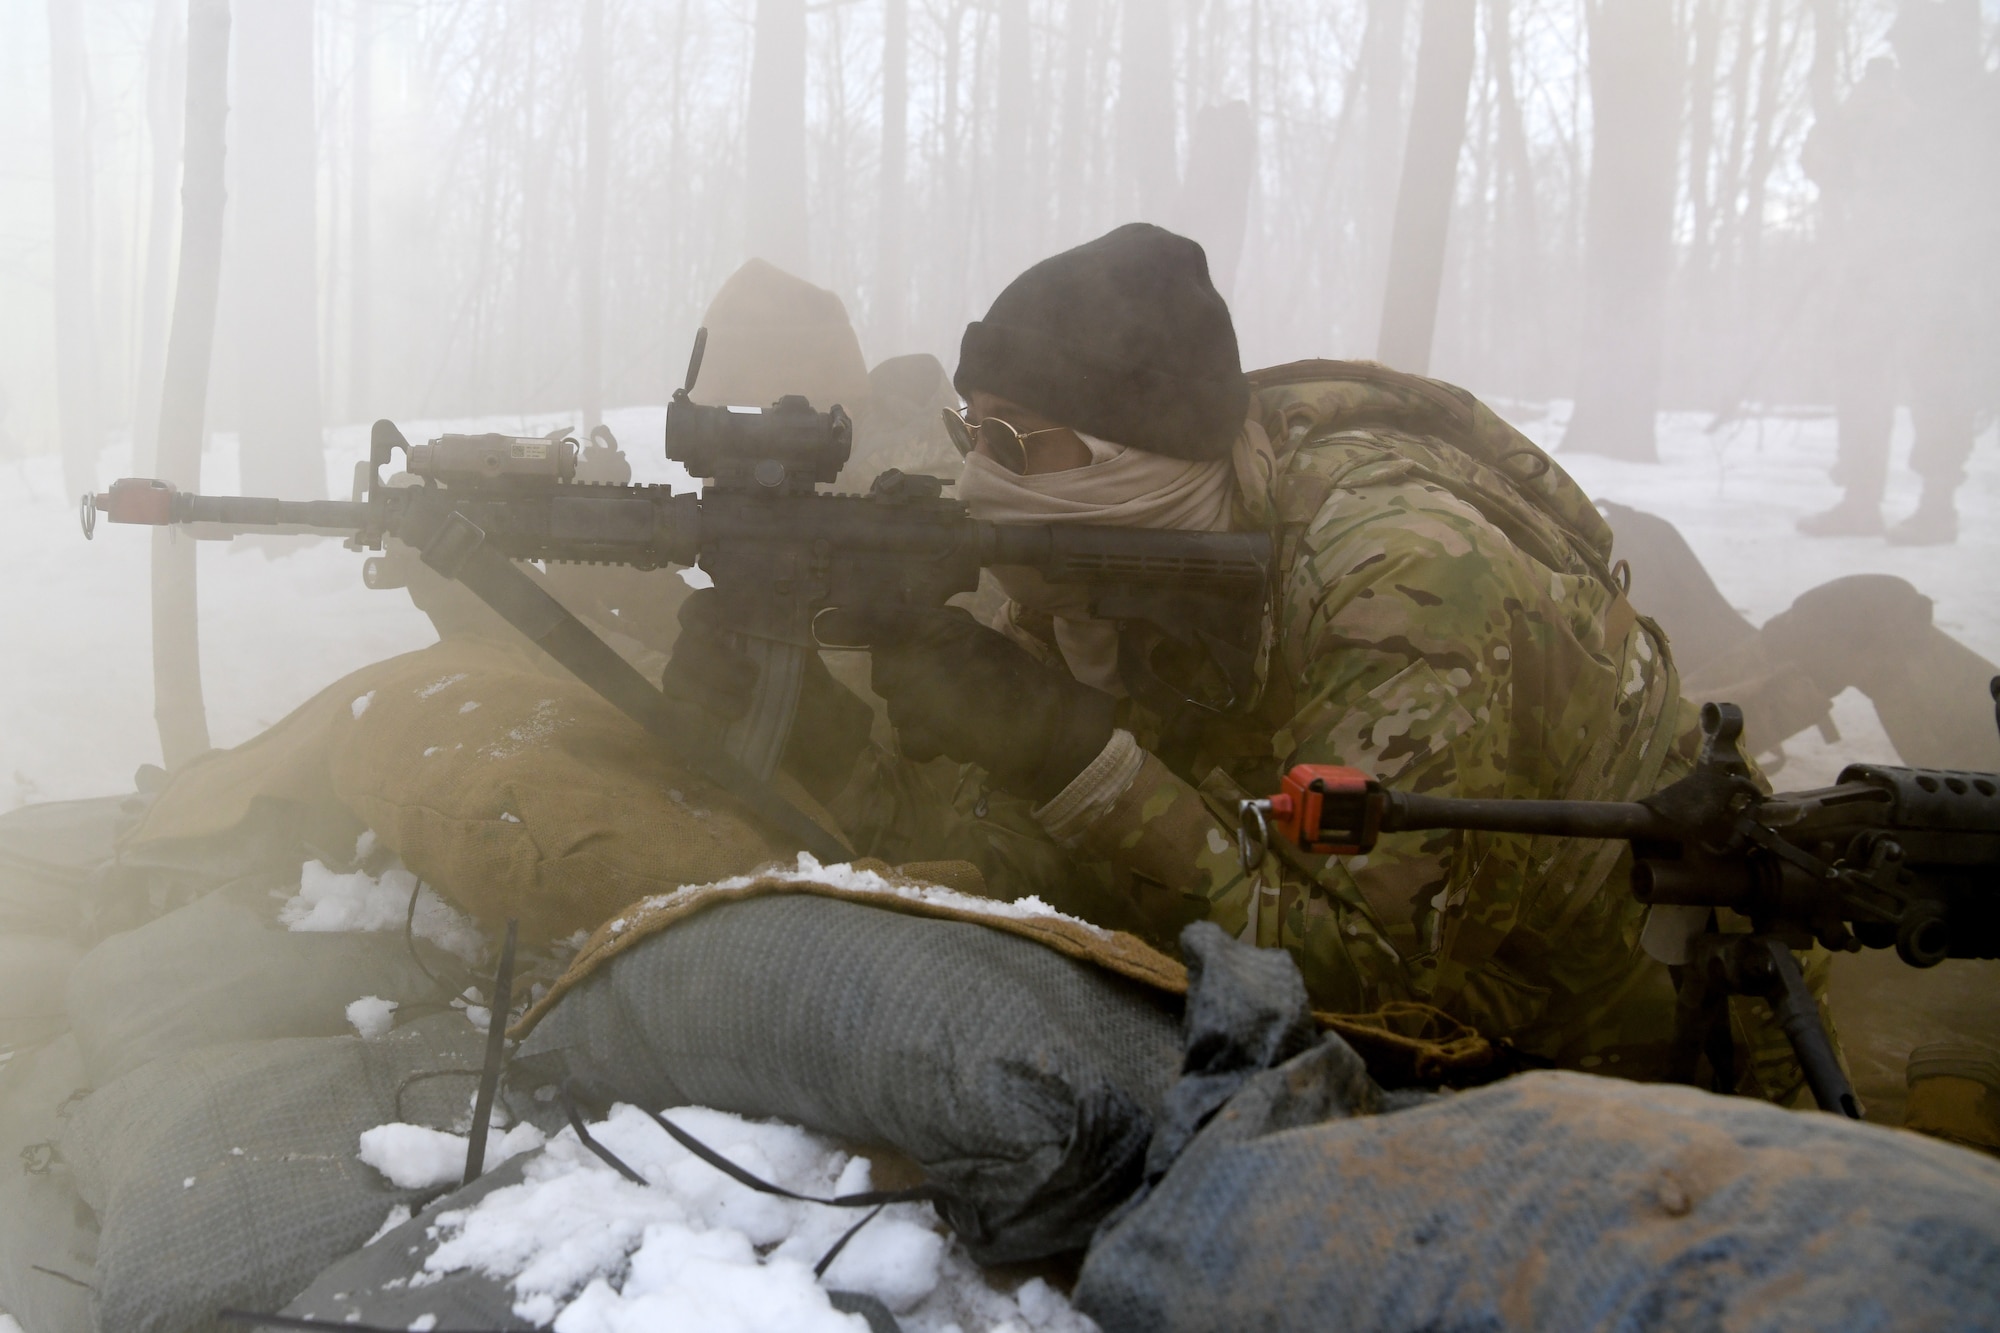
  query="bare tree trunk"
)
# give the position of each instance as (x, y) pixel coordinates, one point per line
(275, 252)
(1080, 22)
(177, 701)
(776, 227)
(1215, 200)
(1520, 305)
(1635, 93)
(1430, 175)
(77, 414)
(891, 269)
(1148, 180)
(590, 242)
(164, 58)
(1013, 196)
(360, 207)
(1381, 111)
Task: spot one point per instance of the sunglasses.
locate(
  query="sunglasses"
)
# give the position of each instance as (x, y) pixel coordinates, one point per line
(1004, 444)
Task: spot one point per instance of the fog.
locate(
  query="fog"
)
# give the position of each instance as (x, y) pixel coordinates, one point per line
(1684, 230)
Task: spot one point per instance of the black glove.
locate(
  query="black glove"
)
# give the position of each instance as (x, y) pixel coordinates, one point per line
(957, 688)
(710, 672)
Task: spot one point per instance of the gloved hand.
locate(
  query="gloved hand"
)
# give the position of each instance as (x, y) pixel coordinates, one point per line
(710, 672)
(957, 688)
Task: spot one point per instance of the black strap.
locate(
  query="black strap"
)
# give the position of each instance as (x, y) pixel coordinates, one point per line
(876, 1199)
(604, 1154)
(501, 1000)
(459, 550)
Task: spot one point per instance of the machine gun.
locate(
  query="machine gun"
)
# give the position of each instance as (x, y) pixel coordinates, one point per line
(1903, 858)
(780, 551)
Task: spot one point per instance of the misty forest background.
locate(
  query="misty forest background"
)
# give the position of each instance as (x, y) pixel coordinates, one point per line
(441, 208)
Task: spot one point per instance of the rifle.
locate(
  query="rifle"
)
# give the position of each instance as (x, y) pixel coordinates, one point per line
(1903, 858)
(781, 553)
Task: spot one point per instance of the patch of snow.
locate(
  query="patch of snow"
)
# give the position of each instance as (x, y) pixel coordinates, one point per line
(360, 706)
(441, 683)
(8, 1324)
(397, 1216)
(416, 1157)
(587, 1251)
(468, 705)
(423, 1323)
(808, 870)
(371, 1015)
(360, 902)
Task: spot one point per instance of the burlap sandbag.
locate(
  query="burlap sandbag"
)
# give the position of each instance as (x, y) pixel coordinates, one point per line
(515, 791)
(1403, 1042)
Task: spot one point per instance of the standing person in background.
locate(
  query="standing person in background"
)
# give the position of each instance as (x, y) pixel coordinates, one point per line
(1905, 172)
(1855, 158)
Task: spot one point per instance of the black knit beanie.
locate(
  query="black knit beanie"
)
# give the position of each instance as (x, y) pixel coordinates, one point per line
(1124, 338)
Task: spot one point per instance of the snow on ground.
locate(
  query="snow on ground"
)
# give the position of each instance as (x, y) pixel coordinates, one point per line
(587, 1251)
(417, 1157)
(359, 901)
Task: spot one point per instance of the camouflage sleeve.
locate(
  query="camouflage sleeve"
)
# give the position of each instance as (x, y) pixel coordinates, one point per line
(1415, 642)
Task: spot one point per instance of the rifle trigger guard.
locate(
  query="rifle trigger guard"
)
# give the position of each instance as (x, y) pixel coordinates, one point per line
(812, 630)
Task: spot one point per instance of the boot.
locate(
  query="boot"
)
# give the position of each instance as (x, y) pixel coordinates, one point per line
(1935, 522)
(1857, 515)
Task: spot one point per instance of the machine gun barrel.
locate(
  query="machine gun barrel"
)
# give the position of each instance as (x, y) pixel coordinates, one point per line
(1561, 819)
(1887, 857)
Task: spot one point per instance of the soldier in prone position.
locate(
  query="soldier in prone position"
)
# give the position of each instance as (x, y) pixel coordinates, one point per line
(1441, 616)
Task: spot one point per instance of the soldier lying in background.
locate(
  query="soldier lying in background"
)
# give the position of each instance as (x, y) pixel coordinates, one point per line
(1871, 632)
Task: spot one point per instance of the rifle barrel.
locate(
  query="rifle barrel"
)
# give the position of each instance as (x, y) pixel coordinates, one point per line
(1563, 819)
(256, 511)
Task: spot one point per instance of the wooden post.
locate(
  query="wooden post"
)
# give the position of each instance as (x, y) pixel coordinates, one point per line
(1430, 176)
(177, 700)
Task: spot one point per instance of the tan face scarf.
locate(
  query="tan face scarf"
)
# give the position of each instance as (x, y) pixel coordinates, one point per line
(1119, 487)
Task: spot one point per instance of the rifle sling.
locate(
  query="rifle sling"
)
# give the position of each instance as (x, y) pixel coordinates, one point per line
(458, 550)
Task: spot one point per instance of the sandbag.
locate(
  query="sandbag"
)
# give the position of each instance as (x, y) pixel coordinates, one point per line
(373, 1286)
(220, 970)
(1022, 1081)
(48, 1236)
(1550, 1201)
(513, 792)
(34, 975)
(50, 855)
(227, 1176)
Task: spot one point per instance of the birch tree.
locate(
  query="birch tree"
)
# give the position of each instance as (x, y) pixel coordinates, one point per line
(177, 701)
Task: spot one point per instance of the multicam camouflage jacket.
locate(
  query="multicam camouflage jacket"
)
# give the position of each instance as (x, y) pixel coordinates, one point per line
(1445, 618)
